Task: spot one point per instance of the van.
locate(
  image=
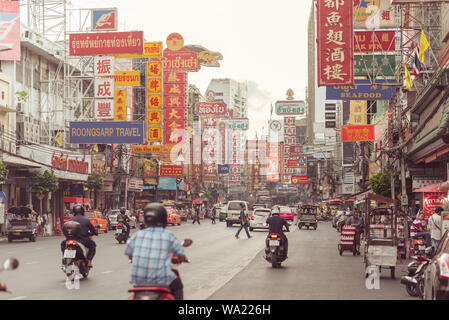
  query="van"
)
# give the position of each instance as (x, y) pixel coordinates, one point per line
(233, 212)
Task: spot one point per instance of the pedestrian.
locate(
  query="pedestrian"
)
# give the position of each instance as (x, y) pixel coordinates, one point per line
(196, 215)
(212, 215)
(243, 222)
(435, 227)
(44, 223)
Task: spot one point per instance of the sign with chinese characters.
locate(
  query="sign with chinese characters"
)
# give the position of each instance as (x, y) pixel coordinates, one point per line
(154, 101)
(147, 149)
(107, 132)
(104, 109)
(374, 14)
(91, 44)
(120, 105)
(335, 42)
(210, 108)
(290, 107)
(358, 114)
(104, 88)
(154, 117)
(175, 114)
(374, 41)
(300, 180)
(357, 133)
(175, 89)
(171, 171)
(374, 65)
(362, 90)
(103, 66)
(154, 134)
(127, 78)
(104, 19)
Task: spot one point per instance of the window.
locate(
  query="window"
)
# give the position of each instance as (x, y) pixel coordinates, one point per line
(219, 94)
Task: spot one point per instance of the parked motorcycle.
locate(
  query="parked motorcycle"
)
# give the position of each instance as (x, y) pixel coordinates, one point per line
(414, 281)
(157, 292)
(275, 250)
(121, 234)
(8, 264)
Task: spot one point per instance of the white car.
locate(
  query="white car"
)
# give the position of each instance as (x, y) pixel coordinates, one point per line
(259, 219)
(113, 219)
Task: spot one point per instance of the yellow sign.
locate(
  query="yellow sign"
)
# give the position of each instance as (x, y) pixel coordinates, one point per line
(358, 112)
(150, 49)
(154, 117)
(155, 134)
(154, 101)
(154, 69)
(127, 78)
(147, 149)
(120, 105)
(154, 85)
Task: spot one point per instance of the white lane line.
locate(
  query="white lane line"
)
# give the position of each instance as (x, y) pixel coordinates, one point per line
(106, 272)
(32, 262)
(18, 298)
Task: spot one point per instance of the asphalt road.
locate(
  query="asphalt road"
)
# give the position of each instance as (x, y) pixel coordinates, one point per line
(221, 267)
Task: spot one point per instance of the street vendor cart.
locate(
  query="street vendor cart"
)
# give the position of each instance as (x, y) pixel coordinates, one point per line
(381, 246)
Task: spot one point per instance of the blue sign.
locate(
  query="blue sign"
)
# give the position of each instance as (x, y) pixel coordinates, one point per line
(107, 132)
(223, 169)
(167, 183)
(302, 161)
(362, 90)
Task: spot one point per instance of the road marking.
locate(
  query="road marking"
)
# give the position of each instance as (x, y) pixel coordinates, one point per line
(18, 298)
(106, 272)
(32, 262)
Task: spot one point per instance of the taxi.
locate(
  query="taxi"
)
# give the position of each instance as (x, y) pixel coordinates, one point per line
(172, 216)
(97, 219)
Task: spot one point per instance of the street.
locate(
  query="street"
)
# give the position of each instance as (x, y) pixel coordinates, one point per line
(221, 268)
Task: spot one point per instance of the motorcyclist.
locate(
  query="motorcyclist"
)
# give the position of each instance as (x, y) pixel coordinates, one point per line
(150, 251)
(123, 218)
(87, 229)
(276, 223)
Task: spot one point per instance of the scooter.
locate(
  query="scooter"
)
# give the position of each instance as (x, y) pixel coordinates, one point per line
(274, 250)
(121, 235)
(8, 264)
(156, 291)
(414, 281)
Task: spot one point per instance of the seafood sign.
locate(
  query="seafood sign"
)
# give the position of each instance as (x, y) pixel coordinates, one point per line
(88, 44)
(210, 108)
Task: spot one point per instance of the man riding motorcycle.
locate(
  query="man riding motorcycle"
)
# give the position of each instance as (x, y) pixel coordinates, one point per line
(123, 218)
(150, 252)
(87, 229)
(276, 223)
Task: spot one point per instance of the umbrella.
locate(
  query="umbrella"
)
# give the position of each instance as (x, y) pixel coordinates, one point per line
(429, 188)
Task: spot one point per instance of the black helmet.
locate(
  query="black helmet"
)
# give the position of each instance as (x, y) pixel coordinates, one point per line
(71, 229)
(155, 215)
(439, 209)
(78, 209)
(122, 210)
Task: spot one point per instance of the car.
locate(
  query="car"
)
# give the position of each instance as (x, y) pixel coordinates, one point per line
(223, 213)
(436, 275)
(97, 219)
(20, 225)
(113, 219)
(183, 214)
(173, 217)
(259, 219)
(233, 212)
(286, 213)
(259, 205)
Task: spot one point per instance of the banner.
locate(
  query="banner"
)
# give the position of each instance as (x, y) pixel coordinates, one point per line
(107, 132)
(10, 30)
(272, 161)
(300, 180)
(147, 149)
(362, 90)
(171, 171)
(357, 133)
(91, 44)
(335, 42)
(374, 41)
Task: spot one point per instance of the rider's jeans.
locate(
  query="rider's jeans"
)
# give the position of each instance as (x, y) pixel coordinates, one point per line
(424, 235)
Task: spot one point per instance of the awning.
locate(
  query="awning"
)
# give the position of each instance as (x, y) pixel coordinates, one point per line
(334, 200)
(19, 162)
(76, 200)
(429, 188)
(350, 200)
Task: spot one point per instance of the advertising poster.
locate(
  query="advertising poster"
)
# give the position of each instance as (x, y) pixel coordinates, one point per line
(150, 171)
(10, 30)
(432, 200)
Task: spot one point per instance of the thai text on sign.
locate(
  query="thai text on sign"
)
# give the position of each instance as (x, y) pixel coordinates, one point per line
(357, 133)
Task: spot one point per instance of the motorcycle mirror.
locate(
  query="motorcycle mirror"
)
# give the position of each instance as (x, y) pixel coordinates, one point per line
(187, 242)
(10, 264)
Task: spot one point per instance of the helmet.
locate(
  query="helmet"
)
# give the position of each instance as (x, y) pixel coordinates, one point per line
(155, 215)
(78, 209)
(122, 210)
(275, 212)
(71, 229)
(439, 209)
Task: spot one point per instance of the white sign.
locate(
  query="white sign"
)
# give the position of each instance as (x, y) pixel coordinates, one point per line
(104, 109)
(104, 88)
(104, 66)
(136, 184)
(423, 181)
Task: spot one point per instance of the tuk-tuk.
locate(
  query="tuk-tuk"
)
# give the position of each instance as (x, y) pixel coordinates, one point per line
(20, 224)
(307, 216)
(381, 248)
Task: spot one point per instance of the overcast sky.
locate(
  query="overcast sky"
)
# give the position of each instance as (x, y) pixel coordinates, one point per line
(263, 42)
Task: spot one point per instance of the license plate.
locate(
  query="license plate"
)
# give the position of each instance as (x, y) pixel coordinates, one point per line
(69, 254)
(422, 247)
(16, 233)
(307, 224)
(274, 243)
(118, 231)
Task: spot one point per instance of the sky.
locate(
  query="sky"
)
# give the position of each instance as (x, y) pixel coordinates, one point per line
(263, 42)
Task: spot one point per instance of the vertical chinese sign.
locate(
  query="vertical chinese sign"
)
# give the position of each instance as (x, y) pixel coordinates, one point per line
(154, 101)
(335, 42)
(289, 140)
(104, 87)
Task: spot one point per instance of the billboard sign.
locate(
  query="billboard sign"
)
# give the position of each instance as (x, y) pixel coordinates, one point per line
(104, 109)
(374, 41)
(300, 180)
(210, 108)
(127, 78)
(107, 132)
(357, 133)
(104, 43)
(374, 65)
(147, 149)
(290, 107)
(362, 90)
(104, 88)
(10, 30)
(150, 49)
(374, 14)
(104, 66)
(104, 19)
(223, 169)
(171, 171)
(237, 124)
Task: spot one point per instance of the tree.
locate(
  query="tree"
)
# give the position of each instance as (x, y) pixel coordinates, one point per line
(3, 172)
(43, 184)
(380, 183)
(95, 183)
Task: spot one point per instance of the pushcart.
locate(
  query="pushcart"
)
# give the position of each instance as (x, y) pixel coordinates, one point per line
(347, 240)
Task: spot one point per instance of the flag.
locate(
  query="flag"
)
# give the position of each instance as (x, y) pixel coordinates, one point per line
(416, 62)
(89, 148)
(408, 79)
(423, 46)
(96, 147)
(58, 138)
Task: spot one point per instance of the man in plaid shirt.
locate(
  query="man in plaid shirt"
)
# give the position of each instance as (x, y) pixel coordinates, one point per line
(150, 251)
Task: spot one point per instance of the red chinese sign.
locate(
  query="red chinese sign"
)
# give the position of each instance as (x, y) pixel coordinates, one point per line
(374, 41)
(171, 171)
(175, 77)
(175, 101)
(357, 133)
(181, 60)
(300, 180)
(91, 44)
(335, 42)
(172, 136)
(175, 89)
(175, 114)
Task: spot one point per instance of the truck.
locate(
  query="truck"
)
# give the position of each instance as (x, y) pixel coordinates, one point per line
(233, 212)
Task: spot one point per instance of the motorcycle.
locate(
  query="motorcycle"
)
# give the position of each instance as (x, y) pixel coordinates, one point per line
(274, 250)
(414, 281)
(157, 292)
(8, 264)
(121, 234)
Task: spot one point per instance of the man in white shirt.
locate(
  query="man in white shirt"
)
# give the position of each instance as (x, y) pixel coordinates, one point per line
(435, 227)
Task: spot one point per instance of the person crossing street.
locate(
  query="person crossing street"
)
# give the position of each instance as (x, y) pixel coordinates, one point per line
(243, 222)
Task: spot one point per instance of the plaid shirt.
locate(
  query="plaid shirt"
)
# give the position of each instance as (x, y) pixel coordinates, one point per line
(150, 250)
